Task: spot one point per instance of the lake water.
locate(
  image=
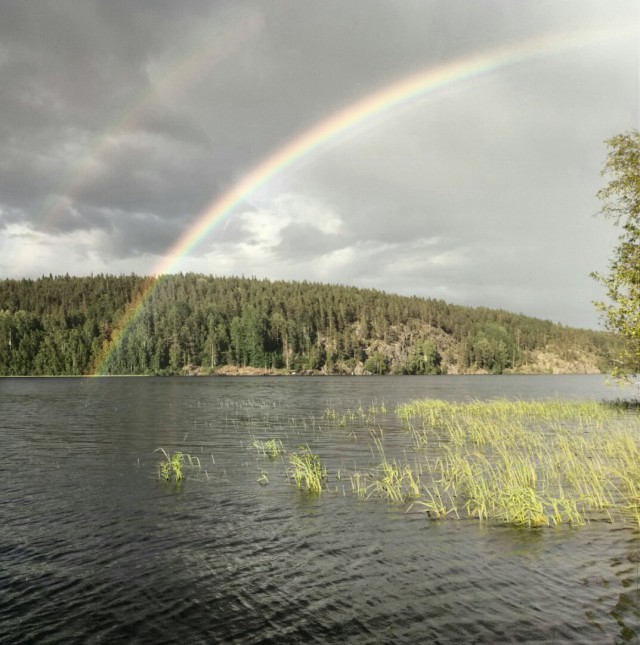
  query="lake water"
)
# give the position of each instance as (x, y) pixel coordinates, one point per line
(94, 548)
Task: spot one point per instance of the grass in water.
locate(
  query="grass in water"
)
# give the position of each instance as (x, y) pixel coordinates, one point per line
(171, 467)
(536, 463)
(272, 448)
(307, 470)
(524, 463)
(392, 480)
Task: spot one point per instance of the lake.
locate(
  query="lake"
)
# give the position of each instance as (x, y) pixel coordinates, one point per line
(95, 548)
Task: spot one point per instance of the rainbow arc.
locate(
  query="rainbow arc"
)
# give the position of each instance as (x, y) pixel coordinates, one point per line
(379, 104)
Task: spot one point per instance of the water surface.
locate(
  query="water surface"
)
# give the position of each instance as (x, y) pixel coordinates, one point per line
(94, 548)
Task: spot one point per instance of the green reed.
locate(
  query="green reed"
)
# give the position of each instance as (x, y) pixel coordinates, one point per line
(530, 463)
(307, 470)
(358, 417)
(525, 463)
(272, 448)
(171, 467)
(391, 479)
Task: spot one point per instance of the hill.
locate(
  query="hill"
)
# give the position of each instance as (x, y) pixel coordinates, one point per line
(186, 324)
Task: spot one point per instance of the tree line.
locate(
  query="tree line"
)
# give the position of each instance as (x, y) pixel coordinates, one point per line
(66, 325)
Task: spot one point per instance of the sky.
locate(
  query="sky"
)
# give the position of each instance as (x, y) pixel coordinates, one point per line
(278, 139)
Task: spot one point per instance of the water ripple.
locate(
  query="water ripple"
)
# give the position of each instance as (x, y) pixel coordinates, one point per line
(93, 549)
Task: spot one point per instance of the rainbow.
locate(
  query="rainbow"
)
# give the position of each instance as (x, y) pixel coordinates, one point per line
(374, 106)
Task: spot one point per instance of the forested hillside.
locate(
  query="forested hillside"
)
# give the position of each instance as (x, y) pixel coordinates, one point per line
(199, 324)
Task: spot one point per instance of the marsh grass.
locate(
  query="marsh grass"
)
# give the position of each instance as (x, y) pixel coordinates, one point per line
(172, 467)
(539, 463)
(627, 405)
(390, 479)
(272, 448)
(525, 463)
(359, 417)
(307, 470)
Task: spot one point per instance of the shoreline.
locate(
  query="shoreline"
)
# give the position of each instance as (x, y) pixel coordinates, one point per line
(232, 371)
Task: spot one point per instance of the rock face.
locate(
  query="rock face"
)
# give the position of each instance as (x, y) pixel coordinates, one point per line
(400, 344)
(233, 370)
(397, 349)
(549, 362)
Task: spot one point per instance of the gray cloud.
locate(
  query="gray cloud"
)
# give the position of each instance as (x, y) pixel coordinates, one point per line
(122, 121)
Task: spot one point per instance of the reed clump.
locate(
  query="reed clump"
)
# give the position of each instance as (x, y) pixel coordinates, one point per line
(527, 463)
(307, 470)
(358, 417)
(390, 479)
(272, 448)
(171, 467)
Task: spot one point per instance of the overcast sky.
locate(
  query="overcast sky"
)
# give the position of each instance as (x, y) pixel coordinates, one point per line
(122, 121)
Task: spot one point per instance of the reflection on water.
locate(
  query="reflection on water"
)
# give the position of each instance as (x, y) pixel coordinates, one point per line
(93, 548)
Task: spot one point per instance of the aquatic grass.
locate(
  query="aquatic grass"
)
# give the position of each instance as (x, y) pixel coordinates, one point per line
(177, 461)
(193, 460)
(507, 412)
(527, 463)
(272, 448)
(434, 504)
(388, 482)
(358, 484)
(359, 417)
(564, 510)
(390, 479)
(307, 470)
(623, 405)
(331, 413)
(171, 467)
(164, 469)
(521, 506)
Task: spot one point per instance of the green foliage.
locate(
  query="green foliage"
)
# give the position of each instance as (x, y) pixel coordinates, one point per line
(425, 359)
(171, 467)
(307, 470)
(621, 202)
(63, 326)
(493, 349)
(376, 363)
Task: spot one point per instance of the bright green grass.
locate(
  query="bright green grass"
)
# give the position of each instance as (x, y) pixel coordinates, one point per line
(529, 463)
(307, 470)
(171, 468)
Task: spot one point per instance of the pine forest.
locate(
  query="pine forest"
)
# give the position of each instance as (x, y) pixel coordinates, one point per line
(197, 324)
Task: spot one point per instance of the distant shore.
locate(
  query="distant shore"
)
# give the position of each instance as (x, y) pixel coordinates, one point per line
(235, 370)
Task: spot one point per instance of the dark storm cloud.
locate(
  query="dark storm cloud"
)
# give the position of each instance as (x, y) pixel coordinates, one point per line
(70, 71)
(127, 230)
(121, 121)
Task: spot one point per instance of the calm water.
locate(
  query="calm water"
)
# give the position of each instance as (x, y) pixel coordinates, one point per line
(94, 549)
